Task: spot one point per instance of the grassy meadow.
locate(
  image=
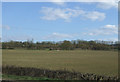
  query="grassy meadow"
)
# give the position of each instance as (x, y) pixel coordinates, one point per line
(13, 77)
(84, 61)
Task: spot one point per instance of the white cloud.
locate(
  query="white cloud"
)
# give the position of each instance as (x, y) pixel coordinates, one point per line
(95, 15)
(109, 39)
(108, 5)
(58, 2)
(67, 13)
(105, 30)
(16, 38)
(104, 4)
(58, 36)
(5, 27)
(110, 26)
(112, 39)
(110, 29)
(57, 13)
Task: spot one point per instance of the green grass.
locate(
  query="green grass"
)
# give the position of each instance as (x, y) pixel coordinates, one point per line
(14, 77)
(85, 61)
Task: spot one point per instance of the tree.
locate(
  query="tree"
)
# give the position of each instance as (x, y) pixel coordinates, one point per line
(66, 45)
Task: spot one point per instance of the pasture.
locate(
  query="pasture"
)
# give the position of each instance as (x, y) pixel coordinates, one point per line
(84, 61)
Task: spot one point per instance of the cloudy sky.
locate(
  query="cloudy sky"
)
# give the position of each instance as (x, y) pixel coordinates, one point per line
(54, 21)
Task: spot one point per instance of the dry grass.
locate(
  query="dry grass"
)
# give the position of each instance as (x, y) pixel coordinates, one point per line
(85, 61)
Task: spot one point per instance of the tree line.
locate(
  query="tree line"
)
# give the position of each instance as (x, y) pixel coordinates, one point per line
(62, 45)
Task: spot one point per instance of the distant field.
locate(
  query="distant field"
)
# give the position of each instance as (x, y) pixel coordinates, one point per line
(85, 61)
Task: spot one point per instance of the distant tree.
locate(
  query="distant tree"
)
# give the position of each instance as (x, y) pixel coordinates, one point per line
(66, 45)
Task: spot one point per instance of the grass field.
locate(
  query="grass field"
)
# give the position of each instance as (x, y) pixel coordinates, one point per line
(84, 61)
(14, 77)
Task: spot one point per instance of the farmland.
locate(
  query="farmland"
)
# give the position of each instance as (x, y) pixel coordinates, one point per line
(84, 61)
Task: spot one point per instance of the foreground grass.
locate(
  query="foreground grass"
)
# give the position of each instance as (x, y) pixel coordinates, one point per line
(14, 77)
(85, 61)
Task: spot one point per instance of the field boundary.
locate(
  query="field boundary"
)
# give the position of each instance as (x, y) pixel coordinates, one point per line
(58, 74)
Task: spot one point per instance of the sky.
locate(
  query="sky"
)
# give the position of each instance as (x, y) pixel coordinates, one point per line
(55, 21)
